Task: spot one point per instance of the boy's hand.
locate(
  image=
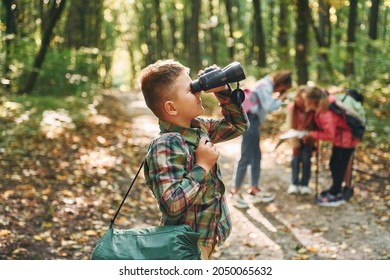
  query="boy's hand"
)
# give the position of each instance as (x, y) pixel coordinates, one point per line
(281, 96)
(206, 154)
(218, 89)
(306, 138)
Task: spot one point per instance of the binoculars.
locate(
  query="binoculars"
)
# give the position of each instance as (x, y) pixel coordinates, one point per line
(213, 77)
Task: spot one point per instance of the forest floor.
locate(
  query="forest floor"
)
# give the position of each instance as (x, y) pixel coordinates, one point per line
(59, 195)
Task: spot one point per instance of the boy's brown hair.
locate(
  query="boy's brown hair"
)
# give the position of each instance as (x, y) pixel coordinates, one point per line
(155, 81)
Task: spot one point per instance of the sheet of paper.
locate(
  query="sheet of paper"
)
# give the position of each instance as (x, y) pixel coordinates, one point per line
(293, 133)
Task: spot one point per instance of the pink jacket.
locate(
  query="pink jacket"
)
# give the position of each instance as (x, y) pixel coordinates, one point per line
(333, 127)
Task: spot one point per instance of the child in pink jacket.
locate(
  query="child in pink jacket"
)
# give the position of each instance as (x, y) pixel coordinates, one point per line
(331, 127)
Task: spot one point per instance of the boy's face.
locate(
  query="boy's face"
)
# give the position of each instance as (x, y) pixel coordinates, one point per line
(188, 105)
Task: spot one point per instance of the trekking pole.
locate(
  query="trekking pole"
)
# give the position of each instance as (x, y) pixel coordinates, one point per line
(317, 168)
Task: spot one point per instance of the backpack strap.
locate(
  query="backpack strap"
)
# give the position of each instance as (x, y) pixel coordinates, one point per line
(127, 193)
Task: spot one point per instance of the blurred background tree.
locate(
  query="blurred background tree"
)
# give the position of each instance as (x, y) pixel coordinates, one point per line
(70, 46)
(60, 48)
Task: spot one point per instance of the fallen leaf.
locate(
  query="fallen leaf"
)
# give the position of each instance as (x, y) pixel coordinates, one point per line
(312, 249)
(37, 237)
(271, 208)
(4, 232)
(91, 232)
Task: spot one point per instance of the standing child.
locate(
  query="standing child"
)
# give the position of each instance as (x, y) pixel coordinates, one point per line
(181, 165)
(263, 104)
(352, 99)
(299, 119)
(331, 127)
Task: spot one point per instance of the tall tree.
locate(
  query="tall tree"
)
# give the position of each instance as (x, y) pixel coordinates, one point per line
(172, 14)
(324, 22)
(83, 26)
(146, 38)
(259, 37)
(213, 33)
(159, 28)
(10, 31)
(353, 12)
(323, 50)
(374, 14)
(323, 32)
(194, 47)
(270, 30)
(283, 31)
(229, 13)
(301, 41)
(53, 16)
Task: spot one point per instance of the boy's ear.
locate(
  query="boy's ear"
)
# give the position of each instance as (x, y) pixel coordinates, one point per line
(170, 109)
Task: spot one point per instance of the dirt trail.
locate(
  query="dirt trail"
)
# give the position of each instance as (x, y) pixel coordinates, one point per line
(291, 227)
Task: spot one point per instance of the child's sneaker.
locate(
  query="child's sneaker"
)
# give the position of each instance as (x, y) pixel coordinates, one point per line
(260, 196)
(304, 190)
(347, 193)
(292, 189)
(239, 202)
(328, 199)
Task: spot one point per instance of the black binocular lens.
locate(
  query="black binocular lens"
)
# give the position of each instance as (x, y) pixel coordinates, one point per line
(217, 77)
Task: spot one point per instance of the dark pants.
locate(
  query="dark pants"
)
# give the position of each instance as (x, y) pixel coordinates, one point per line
(250, 153)
(301, 162)
(338, 166)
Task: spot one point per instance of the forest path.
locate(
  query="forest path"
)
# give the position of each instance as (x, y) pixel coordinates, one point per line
(291, 227)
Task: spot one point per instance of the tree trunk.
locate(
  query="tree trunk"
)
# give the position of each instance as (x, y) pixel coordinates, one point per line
(324, 22)
(353, 13)
(194, 48)
(83, 26)
(271, 21)
(42, 15)
(374, 13)
(186, 32)
(230, 42)
(323, 50)
(146, 37)
(54, 15)
(259, 39)
(283, 32)
(159, 26)
(172, 25)
(301, 41)
(10, 31)
(213, 35)
(324, 31)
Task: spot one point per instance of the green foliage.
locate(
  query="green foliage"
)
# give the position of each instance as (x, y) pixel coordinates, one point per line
(377, 105)
(21, 115)
(134, 27)
(66, 71)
